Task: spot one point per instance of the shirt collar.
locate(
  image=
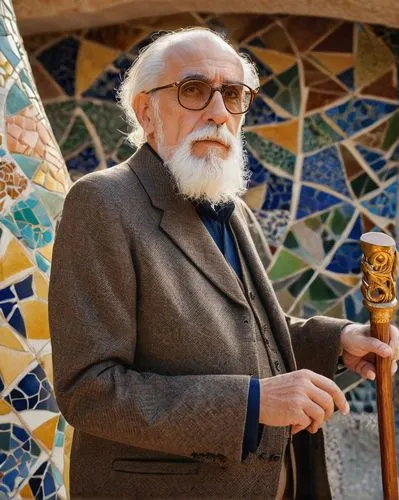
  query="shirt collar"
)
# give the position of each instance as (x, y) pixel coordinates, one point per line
(221, 212)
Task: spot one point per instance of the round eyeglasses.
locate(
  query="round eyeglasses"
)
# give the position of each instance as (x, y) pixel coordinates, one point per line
(195, 95)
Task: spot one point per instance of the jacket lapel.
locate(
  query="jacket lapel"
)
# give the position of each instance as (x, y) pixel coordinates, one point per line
(182, 224)
(264, 287)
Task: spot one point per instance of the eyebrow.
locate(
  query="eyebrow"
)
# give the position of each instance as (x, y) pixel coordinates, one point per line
(202, 77)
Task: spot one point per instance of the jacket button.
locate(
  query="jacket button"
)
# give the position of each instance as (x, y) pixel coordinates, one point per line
(252, 295)
(277, 365)
(275, 457)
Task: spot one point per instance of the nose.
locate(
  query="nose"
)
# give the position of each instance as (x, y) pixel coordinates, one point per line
(216, 111)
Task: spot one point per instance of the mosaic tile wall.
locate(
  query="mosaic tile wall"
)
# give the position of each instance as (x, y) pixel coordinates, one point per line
(322, 135)
(33, 183)
(323, 147)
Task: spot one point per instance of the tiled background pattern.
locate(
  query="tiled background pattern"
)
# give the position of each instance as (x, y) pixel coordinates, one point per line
(33, 183)
(323, 150)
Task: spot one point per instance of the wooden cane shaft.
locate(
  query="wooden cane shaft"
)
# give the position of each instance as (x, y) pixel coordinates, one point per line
(386, 422)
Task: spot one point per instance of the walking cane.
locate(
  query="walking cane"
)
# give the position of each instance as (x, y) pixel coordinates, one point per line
(379, 297)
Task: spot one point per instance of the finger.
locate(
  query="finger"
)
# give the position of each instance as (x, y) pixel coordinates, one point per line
(394, 338)
(335, 392)
(323, 399)
(303, 422)
(371, 344)
(316, 414)
(365, 369)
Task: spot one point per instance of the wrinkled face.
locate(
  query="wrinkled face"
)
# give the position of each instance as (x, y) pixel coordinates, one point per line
(203, 59)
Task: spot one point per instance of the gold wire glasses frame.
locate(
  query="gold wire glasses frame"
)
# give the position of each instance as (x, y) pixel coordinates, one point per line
(195, 95)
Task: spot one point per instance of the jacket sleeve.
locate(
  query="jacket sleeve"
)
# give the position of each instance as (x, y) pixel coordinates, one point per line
(93, 308)
(315, 341)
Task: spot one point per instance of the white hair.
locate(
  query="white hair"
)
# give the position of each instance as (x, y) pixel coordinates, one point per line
(145, 72)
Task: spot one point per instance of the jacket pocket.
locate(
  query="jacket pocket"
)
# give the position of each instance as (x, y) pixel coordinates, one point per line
(155, 466)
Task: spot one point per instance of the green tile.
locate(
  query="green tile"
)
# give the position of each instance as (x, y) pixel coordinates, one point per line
(392, 133)
(290, 241)
(124, 152)
(319, 291)
(363, 184)
(60, 116)
(271, 153)
(286, 264)
(109, 123)
(77, 136)
(296, 288)
(317, 133)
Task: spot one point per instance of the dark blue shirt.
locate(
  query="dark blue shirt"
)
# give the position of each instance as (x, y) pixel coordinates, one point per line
(217, 221)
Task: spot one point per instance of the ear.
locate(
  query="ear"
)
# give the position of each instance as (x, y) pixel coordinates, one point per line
(142, 108)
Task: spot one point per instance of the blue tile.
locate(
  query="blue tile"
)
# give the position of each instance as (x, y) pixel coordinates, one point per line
(356, 231)
(347, 77)
(86, 161)
(260, 113)
(278, 194)
(259, 174)
(374, 158)
(384, 204)
(28, 220)
(311, 201)
(325, 168)
(357, 114)
(42, 263)
(16, 321)
(8, 52)
(347, 258)
(16, 100)
(60, 61)
(24, 288)
(33, 393)
(105, 87)
(27, 163)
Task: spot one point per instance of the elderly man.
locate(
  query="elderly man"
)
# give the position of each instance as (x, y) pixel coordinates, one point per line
(172, 357)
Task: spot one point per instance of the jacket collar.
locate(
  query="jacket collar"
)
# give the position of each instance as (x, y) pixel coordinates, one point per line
(182, 224)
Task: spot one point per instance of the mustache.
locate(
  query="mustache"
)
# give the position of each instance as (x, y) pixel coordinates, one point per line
(212, 133)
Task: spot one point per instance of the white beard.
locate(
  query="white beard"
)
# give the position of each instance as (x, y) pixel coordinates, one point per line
(210, 178)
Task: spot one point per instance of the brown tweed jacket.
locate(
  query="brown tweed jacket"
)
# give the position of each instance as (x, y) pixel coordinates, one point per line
(153, 345)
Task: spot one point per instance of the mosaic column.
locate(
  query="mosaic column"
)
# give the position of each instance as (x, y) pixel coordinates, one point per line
(33, 184)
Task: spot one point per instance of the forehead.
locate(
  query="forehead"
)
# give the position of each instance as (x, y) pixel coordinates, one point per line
(214, 60)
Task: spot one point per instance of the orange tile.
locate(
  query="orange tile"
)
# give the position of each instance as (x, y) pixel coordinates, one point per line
(334, 63)
(284, 134)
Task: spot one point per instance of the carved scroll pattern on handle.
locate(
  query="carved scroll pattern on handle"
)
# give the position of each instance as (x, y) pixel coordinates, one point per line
(379, 275)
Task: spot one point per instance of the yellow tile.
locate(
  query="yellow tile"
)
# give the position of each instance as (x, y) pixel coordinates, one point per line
(47, 251)
(373, 58)
(35, 316)
(40, 285)
(39, 177)
(255, 196)
(277, 61)
(45, 432)
(47, 363)
(335, 63)
(284, 134)
(12, 363)
(10, 339)
(51, 184)
(68, 438)
(26, 492)
(93, 58)
(4, 408)
(14, 260)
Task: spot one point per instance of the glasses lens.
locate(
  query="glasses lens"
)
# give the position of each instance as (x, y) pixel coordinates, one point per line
(237, 98)
(194, 94)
